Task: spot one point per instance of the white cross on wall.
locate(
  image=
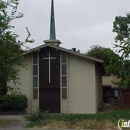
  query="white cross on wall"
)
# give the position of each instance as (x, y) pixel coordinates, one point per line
(49, 58)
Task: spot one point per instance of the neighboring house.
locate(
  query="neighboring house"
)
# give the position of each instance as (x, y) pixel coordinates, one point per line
(111, 91)
(126, 97)
(61, 80)
(110, 80)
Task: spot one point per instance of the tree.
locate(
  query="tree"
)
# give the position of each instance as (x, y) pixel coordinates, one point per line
(121, 26)
(121, 68)
(10, 48)
(105, 54)
(75, 50)
(114, 64)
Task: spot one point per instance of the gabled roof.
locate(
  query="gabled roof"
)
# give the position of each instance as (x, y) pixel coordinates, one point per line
(64, 50)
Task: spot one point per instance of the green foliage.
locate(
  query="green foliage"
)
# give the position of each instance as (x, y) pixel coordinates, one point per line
(10, 46)
(37, 115)
(105, 54)
(113, 116)
(121, 26)
(114, 64)
(121, 68)
(76, 50)
(14, 102)
(38, 123)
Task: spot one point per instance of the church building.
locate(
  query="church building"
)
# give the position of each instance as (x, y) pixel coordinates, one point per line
(59, 80)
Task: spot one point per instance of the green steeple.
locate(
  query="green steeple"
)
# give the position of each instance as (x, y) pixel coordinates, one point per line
(52, 23)
(52, 40)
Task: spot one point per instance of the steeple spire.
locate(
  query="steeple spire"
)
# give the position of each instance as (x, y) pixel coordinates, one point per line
(52, 40)
(52, 23)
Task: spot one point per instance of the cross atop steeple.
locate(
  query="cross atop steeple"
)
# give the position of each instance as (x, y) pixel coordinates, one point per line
(52, 40)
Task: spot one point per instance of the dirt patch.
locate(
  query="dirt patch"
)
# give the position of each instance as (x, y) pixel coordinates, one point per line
(111, 108)
(86, 124)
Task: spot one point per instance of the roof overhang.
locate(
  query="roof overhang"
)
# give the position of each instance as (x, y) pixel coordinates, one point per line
(64, 50)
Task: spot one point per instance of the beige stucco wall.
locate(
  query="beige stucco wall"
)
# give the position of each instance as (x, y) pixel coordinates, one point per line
(81, 85)
(25, 76)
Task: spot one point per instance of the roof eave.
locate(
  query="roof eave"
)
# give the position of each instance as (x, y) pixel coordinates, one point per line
(62, 49)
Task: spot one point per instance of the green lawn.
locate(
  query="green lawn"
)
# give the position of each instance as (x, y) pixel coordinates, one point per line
(93, 121)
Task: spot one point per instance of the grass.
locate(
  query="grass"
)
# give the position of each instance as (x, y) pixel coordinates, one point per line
(111, 116)
(4, 123)
(83, 121)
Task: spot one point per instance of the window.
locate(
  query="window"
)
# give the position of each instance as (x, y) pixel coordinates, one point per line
(35, 69)
(64, 75)
(35, 75)
(35, 94)
(64, 93)
(63, 58)
(35, 58)
(64, 81)
(35, 82)
(64, 72)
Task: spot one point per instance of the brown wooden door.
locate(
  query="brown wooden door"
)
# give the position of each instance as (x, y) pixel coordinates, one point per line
(49, 80)
(50, 100)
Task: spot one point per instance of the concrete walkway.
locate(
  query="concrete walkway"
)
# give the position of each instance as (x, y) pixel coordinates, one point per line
(15, 126)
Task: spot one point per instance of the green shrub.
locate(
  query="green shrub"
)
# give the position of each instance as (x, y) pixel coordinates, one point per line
(37, 115)
(14, 102)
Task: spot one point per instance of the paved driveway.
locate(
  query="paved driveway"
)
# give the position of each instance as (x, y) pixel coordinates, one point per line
(17, 125)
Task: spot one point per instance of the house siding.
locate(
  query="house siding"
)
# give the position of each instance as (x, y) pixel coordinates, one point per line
(81, 88)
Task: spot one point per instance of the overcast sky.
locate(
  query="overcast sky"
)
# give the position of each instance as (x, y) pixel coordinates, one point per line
(79, 23)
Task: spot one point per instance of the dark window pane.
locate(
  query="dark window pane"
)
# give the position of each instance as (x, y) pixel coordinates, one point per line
(64, 70)
(35, 69)
(63, 58)
(64, 81)
(35, 58)
(35, 82)
(35, 94)
(64, 93)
